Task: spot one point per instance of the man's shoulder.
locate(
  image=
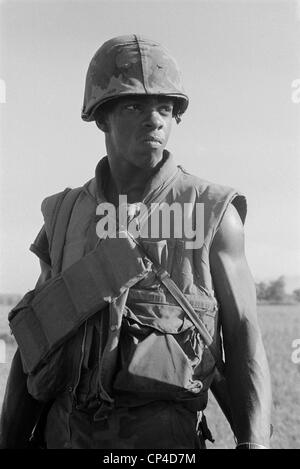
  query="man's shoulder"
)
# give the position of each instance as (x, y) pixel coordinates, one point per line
(216, 197)
(50, 203)
(205, 186)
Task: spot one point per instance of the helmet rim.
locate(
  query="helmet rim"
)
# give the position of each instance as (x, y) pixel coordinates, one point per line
(182, 99)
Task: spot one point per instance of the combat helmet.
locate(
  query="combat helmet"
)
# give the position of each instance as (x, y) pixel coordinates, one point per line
(131, 65)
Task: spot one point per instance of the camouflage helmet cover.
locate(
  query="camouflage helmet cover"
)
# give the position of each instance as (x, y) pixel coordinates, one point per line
(131, 65)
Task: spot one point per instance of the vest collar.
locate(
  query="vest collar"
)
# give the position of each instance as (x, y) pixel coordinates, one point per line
(95, 188)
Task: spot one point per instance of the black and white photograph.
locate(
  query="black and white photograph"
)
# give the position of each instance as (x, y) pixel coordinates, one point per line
(150, 227)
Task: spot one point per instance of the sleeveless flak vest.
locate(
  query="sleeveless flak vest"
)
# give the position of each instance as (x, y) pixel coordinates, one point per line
(142, 347)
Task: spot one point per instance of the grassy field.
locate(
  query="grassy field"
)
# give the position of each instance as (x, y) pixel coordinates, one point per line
(280, 325)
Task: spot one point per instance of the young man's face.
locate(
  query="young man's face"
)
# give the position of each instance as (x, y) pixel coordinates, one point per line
(138, 129)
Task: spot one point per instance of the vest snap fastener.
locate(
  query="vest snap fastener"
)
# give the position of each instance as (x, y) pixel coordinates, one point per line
(196, 390)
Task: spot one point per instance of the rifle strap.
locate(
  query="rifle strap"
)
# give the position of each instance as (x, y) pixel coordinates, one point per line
(182, 300)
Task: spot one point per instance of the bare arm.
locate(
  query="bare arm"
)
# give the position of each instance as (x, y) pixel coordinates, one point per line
(247, 369)
(19, 410)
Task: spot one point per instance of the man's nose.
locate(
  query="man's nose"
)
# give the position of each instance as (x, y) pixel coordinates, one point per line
(153, 119)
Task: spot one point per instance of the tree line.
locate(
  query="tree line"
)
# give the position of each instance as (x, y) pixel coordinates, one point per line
(274, 292)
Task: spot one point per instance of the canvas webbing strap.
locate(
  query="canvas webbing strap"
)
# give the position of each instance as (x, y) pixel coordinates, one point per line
(59, 226)
(47, 317)
(182, 300)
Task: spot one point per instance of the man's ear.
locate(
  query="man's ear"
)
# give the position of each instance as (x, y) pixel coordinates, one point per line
(102, 125)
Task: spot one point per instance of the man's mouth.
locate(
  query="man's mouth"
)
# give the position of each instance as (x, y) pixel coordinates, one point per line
(151, 139)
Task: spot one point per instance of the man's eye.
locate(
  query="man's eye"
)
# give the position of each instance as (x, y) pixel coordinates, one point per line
(132, 107)
(166, 109)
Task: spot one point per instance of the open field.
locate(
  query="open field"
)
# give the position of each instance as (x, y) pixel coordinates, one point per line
(280, 326)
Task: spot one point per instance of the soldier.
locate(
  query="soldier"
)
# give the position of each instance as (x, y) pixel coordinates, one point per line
(120, 340)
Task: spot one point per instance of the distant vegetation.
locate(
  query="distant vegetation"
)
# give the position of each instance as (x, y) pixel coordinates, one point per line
(274, 292)
(9, 299)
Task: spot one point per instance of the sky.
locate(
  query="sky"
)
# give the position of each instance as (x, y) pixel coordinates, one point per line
(242, 128)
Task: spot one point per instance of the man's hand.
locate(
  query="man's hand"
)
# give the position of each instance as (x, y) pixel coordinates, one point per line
(247, 371)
